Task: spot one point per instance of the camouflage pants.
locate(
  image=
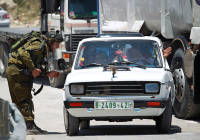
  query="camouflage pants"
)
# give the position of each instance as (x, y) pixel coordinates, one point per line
(20, 86)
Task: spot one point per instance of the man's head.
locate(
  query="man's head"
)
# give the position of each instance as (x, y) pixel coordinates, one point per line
(195, 47)
(54, 41)
(134, 51)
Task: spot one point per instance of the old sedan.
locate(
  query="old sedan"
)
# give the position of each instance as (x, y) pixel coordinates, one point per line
(118, 79)
(4, 18)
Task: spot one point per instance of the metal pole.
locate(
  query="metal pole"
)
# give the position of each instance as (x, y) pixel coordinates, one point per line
(98, 19)
(62, 16)
(43, 16)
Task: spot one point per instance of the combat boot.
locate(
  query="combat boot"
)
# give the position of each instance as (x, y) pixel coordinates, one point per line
(33, 129)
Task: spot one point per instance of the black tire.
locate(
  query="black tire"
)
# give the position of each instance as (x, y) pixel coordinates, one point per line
(65, 116)
(84, 124)
(3, 58)
(58, 82)
(163, 122)
(71, 123)
(183, 105)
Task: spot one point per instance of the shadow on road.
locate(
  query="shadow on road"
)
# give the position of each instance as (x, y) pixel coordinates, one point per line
(193, 120)
(196, 120)
(48, 133)
(54, 133)
(125, 130)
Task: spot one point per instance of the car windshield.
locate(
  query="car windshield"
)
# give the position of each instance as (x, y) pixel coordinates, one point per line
(82, 9)
(131, 53)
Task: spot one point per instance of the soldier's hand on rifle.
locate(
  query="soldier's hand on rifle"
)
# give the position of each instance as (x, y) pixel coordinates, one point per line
(53, 74)
(36, 72)
(167, 52)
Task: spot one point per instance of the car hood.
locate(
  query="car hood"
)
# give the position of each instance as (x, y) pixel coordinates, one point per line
(135, 74)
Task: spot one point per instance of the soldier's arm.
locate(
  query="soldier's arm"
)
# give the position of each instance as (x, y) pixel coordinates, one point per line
(26, 54)
(53, 74)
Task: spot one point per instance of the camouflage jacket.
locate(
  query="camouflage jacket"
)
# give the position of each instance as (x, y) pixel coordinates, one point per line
(32, 54)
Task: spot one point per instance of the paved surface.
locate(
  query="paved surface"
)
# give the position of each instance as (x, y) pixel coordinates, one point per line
(19, 30)
(49, 116)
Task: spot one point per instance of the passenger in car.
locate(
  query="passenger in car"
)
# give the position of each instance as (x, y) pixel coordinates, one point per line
(135, 54)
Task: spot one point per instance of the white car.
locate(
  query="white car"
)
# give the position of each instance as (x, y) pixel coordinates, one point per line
(4, 18)
(118, 79)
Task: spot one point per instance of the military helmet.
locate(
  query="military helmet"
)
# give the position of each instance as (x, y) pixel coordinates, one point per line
(55, 37)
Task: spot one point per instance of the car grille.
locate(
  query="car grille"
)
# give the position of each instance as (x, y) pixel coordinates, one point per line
(115, 88)
(76, 38)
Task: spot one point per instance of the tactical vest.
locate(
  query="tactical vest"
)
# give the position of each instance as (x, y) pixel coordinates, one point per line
(39, 59)
(4, 119)
(25, 39)
(25, 43)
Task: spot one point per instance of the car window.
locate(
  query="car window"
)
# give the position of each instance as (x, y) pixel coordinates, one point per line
(126, 52)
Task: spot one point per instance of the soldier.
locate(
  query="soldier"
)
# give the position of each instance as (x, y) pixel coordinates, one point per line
(25, 63)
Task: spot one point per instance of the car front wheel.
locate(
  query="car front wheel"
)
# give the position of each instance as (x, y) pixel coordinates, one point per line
(71, 123)
(163, 122)
(84, 124)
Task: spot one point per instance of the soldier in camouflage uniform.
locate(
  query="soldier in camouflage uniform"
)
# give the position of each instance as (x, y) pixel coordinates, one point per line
(22, 68)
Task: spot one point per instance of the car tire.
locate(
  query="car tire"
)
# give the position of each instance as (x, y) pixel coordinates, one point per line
(183, 105)
(163, 122)
(65, 116)
(71, 123)
(84, 124)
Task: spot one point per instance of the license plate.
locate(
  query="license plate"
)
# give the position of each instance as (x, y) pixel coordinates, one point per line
(113, 105)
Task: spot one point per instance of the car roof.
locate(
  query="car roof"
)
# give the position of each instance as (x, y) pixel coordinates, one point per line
(121, 35)
(122, 38)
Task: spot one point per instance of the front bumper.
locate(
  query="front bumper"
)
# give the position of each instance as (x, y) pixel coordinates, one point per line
(4, 23)
(140, 109)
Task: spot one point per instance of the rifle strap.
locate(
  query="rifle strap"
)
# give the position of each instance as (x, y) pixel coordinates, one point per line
(38, 91)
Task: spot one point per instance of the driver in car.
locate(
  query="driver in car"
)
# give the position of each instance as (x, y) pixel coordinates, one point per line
(101, 58)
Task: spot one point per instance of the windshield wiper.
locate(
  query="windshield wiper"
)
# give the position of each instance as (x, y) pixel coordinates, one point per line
(128, 63)
(118, 67)
(93, 65)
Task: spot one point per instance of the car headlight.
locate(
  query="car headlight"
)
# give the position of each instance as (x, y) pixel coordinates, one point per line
(152, 88)
(76, 89)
